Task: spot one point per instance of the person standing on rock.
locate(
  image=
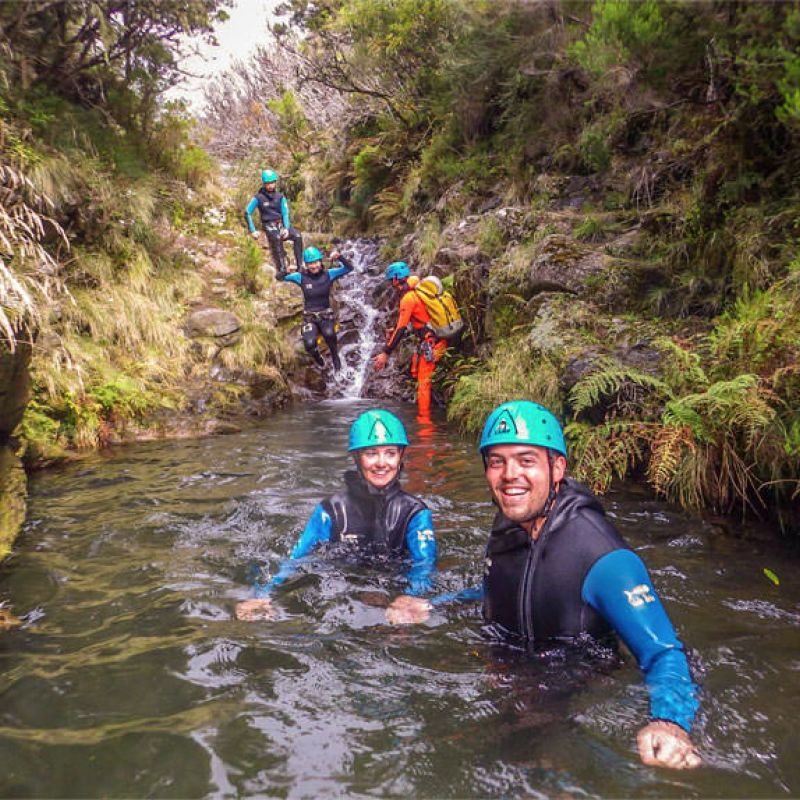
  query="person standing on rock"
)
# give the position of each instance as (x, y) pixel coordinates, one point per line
(414, 314)
(371, 517)
(318, 316)
(274, 211)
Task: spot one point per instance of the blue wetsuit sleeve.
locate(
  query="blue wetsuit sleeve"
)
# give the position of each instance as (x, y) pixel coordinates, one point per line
(285, 213)
(344, 268)
(251, 207)
(292, 277)
(421, 543)
(317, 530)
(619, 587)
(471, 593)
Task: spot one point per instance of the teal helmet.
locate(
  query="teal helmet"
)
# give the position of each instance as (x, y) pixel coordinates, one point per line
(377, 427)
(523, 422)
(311, 254)
(399, 270)
(269, 176)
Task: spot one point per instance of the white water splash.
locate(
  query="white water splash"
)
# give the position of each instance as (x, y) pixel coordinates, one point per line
(359, 332)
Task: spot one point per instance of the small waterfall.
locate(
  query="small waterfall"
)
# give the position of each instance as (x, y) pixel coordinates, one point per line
(358, 317)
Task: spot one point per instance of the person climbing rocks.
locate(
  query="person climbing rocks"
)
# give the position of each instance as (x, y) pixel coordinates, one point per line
(273, 209)
(371, 516)
(318, 316)
(414, 314)
(557, 574)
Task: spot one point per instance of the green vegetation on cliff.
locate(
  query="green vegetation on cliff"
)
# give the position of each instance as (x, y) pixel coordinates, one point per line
(105, 190)
(614, 188)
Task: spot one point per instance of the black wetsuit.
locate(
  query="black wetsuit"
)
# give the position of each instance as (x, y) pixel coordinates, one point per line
(274, 212)
(533, 588)
(376, 520)
(580, 582)
(318, 317)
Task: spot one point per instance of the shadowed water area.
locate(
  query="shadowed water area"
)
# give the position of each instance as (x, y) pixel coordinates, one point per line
(131, 677)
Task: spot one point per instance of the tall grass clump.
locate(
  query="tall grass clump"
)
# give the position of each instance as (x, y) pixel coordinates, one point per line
(512, 373)
(29, 275)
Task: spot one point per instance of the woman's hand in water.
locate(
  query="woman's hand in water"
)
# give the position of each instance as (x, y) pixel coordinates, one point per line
(408, 610)
(379, 362)
(665, 744)
(256, 610)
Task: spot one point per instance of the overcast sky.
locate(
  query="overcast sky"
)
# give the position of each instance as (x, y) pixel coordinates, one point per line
(237, 38)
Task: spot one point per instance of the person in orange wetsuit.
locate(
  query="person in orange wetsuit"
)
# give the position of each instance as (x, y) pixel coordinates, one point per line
(413, 314)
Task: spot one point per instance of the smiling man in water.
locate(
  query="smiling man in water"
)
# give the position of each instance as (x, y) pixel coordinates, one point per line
(557, 571)
(371, 516)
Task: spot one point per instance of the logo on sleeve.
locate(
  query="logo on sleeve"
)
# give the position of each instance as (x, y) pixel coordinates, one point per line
(640, 595)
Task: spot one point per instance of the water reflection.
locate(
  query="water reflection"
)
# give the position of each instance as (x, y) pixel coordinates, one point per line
(131, 677)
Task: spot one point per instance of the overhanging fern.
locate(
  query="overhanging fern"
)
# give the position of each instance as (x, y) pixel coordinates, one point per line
(609, 381)
(600, 453)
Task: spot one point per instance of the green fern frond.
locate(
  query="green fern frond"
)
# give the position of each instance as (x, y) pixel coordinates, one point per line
(600, 453)
(668, 449)
(680, 413)
(681, 366)
(607, 381)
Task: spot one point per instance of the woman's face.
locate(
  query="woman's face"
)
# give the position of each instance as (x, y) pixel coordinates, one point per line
(380, 465)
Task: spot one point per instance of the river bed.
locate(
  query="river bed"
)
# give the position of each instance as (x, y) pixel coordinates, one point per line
(130, 676)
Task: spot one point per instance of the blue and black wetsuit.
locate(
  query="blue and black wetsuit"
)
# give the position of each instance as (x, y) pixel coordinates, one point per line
(580, 581)
(318, 317)
(273, 209)
(370, 523)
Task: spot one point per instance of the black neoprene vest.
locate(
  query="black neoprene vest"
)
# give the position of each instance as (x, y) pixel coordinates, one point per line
(372, 520)
(269, 205)
(532, 589)
(316, 290)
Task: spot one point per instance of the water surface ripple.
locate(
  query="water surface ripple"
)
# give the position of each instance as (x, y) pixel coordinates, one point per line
(131, 678)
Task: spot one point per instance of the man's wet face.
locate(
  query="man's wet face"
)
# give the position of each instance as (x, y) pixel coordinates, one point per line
(520, 476)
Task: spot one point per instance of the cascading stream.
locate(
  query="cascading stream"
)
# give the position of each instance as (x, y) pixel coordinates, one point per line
(359, 319)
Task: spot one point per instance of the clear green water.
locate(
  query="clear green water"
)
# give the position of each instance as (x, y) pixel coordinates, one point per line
(131, 678)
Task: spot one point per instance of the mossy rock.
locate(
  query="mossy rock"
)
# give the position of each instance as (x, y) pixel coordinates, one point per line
(13, 491)
(14, 386)
(575, 333)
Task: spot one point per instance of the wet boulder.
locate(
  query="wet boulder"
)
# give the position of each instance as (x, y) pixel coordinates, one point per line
(459, 243)
(577, 335)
